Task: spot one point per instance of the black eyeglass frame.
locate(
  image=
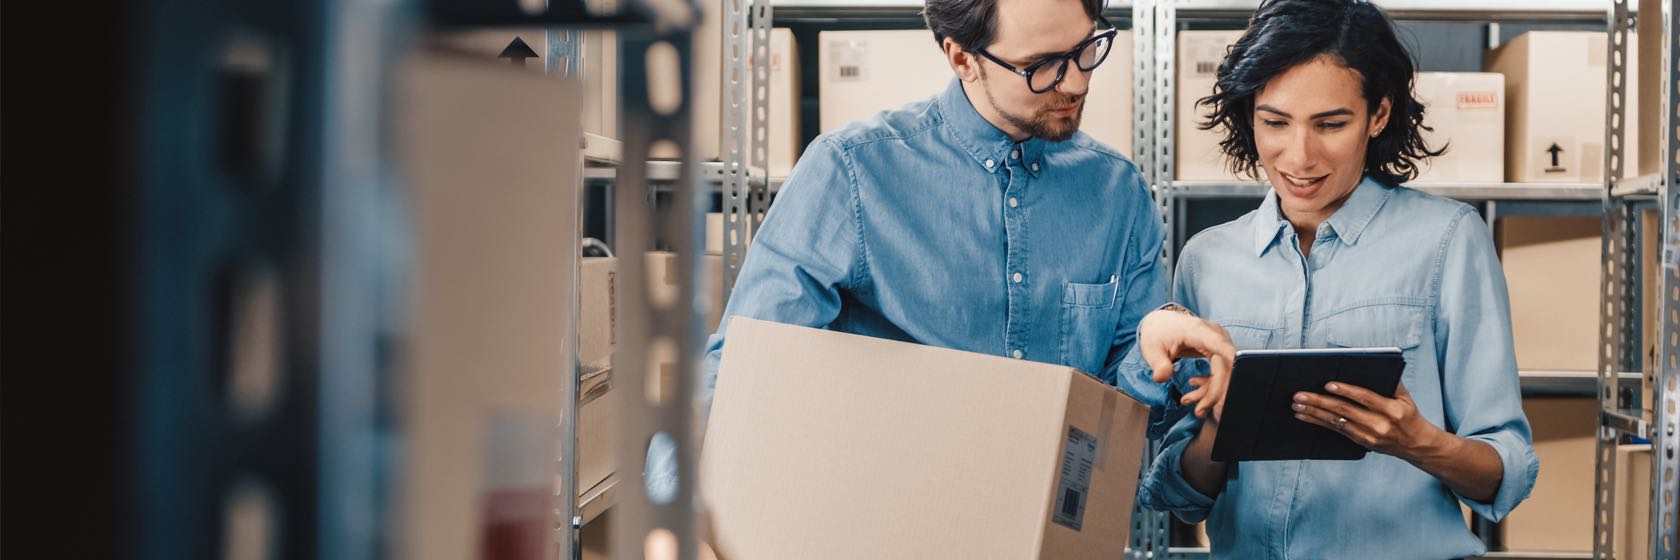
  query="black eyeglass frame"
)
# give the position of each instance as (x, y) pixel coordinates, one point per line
(1072, 55)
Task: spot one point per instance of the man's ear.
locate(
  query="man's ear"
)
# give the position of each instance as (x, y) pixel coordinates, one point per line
(963, 63)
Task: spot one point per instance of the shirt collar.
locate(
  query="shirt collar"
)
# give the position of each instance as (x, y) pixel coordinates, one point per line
(1348, 222)
(989, 147)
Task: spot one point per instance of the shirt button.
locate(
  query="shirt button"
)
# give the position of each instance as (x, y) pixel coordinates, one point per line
(1016, 354)
(1017, 278)
(1035, 168)
(990, 164)
(1015, 154)
(1013, 203)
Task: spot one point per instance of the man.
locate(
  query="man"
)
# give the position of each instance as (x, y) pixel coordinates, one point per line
(982, 219)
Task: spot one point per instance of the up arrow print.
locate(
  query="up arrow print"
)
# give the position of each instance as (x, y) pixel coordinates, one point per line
(1554, 150)
(518, 51)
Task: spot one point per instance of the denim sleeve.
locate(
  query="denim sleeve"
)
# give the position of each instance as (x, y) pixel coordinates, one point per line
(1163, 487)
(1132, 374)
(1478, 364)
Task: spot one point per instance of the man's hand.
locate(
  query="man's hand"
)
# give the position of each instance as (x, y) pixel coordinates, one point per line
(1167, 335)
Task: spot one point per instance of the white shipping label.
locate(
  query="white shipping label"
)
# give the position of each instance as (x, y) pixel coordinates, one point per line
(1079, 457)
(850, 60)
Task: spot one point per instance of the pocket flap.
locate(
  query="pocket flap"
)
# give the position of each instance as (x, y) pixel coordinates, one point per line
(1091, 295)
(1377, 326)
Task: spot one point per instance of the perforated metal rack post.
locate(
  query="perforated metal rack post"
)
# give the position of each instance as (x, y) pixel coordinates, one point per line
(656, 400)
(746, 85)
(1617, 302)
(1656, 420)
(1665, 482)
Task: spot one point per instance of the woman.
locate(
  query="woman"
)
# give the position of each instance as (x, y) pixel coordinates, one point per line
(1317, 96)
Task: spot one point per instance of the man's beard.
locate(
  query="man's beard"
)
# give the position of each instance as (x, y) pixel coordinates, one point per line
(1043, 123)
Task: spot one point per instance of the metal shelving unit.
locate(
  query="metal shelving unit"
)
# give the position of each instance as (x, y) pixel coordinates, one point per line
(1624, 414)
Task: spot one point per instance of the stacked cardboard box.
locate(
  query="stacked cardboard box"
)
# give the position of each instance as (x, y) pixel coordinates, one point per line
(1558, 515)
(866, 72)
(1466, 111)
(1552, 269)
(1196, 154)
(1555, 106)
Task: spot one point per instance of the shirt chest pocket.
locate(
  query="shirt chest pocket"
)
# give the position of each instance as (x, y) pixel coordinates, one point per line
(1386, 325)
(1090, 317)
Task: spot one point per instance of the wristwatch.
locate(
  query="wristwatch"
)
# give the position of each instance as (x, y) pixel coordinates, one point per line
(1176, 307)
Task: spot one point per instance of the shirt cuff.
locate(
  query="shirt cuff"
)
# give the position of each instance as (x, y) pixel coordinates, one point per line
(1164, 487)
(1521, 466)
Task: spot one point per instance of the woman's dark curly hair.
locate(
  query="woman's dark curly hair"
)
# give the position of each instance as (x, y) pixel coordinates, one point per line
(1284, 33)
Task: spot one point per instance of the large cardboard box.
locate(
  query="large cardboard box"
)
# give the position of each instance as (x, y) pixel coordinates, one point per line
(1558, 515)
(597, 309)
(1552, 268)
(865, 72)
(1631, 537)
(490, 294)
(831, 445)
(1196, 155)
(1466, 111)
(1555, 98)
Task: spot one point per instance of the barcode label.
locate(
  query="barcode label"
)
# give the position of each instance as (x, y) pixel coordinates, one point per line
(1079, 456)
(850, 60)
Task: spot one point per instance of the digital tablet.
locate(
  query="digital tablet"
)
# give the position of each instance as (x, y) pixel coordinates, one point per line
(1258, 423)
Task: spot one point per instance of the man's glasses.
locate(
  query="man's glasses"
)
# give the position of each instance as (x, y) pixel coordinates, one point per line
(1043, 75)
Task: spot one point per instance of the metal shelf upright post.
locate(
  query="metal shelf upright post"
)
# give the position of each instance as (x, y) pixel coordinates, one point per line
(1623, 413)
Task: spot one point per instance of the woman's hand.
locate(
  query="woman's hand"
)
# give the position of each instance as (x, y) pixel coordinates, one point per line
(1387, 426)
(1394, 427)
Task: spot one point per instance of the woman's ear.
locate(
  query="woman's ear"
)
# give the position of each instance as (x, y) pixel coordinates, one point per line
(964, 64)
(1379, 119)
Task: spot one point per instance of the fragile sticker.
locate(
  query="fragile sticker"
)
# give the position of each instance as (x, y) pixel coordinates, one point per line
(1079, 457)
(1473, 100)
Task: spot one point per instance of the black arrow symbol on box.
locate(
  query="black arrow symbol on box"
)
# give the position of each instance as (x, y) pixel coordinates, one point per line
(518, 51)
(1554, 150)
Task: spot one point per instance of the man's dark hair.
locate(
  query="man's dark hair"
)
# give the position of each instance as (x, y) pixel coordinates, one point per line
(973, 23)
(1360, 36)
